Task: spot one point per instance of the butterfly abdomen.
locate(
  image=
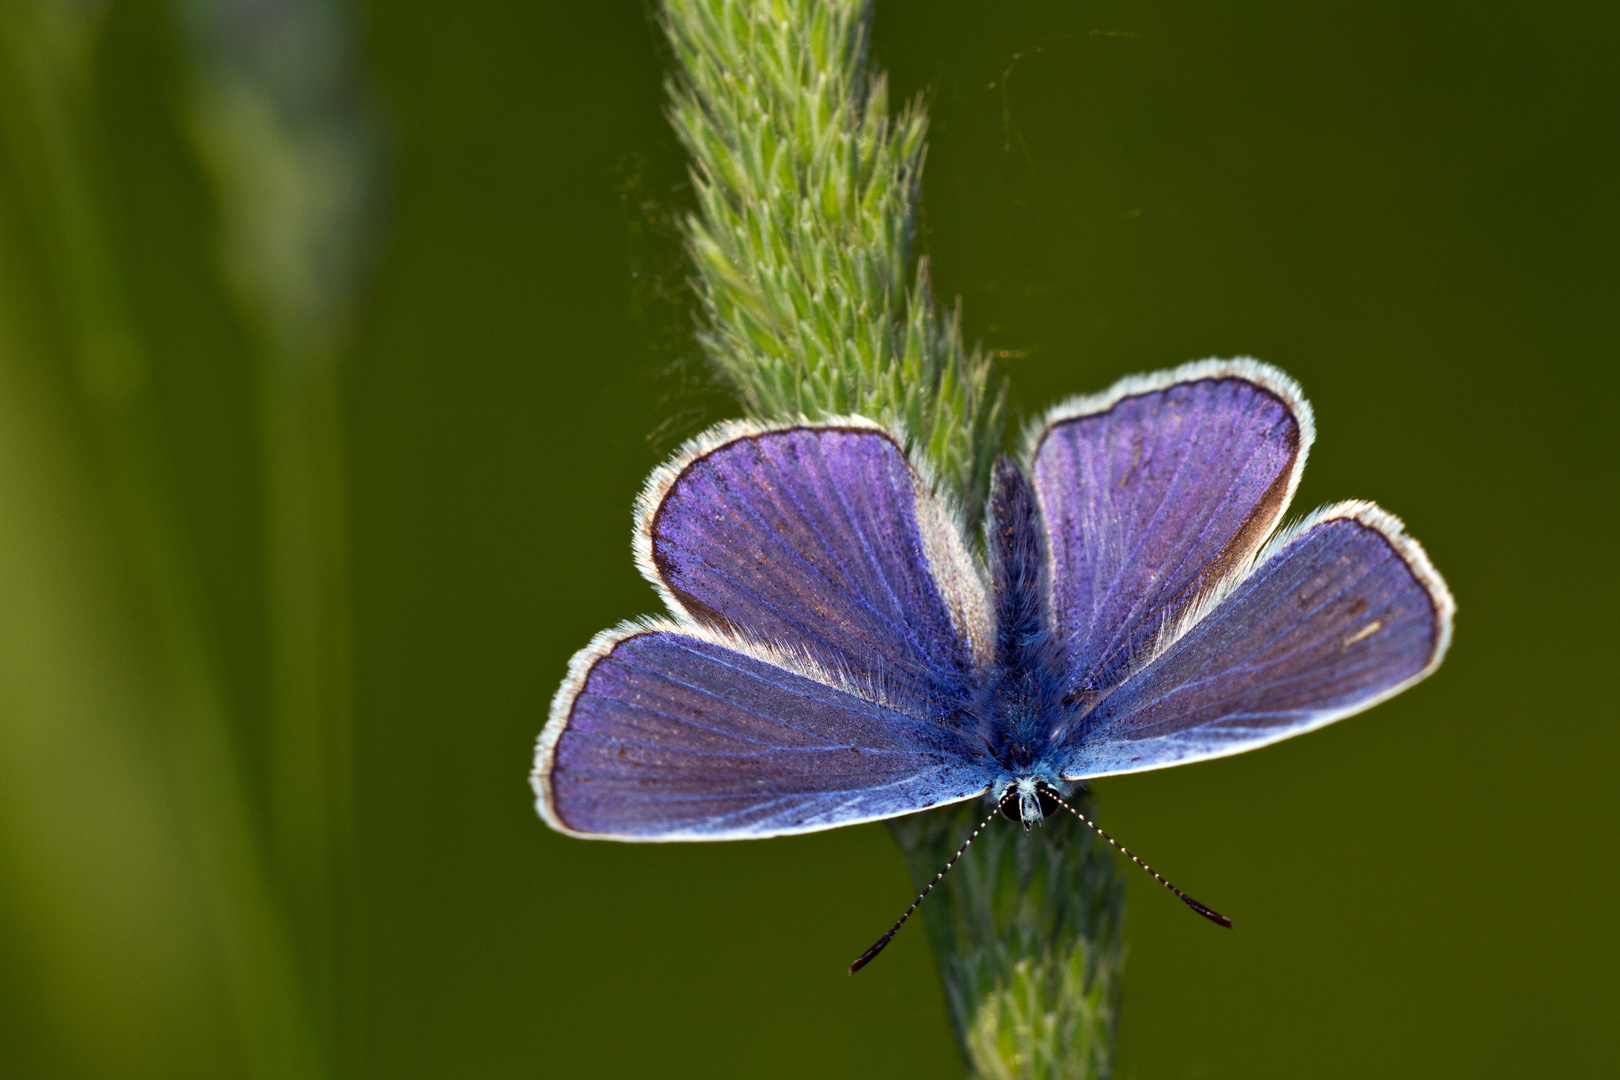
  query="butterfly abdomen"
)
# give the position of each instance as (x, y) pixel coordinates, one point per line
(1022, 693)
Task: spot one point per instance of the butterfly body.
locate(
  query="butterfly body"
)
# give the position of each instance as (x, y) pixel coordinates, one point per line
(838, 652)
(1020, 707)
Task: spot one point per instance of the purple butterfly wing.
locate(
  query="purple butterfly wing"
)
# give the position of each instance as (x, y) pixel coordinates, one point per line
(669, 732)
(1154, 490)
(822, 540)
(1337, 615)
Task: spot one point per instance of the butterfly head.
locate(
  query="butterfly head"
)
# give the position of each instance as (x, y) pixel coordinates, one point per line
(1029, 803)
(1028, 800)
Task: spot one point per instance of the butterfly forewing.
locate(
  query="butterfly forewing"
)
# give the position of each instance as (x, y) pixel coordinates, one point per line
(1339, 615)
(668, 733)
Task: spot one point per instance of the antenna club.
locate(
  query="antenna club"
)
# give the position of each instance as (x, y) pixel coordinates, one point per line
(867, 956)
(1207, 912)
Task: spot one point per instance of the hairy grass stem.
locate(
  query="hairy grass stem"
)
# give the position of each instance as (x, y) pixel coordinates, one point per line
(816, 304)
(808, 190)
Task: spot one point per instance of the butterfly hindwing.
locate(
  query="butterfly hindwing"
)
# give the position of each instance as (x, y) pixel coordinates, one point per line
(1338, 614)
(824, 540)
(1151, 491)
(667, 732)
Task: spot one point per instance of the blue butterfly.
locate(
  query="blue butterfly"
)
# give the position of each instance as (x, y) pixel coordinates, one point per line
(836, 653)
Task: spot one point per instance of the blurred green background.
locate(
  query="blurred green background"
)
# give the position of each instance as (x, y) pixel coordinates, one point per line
(1409, 207)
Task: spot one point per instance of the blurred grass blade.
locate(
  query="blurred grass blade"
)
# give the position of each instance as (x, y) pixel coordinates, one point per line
(128, 839)
(280, 116)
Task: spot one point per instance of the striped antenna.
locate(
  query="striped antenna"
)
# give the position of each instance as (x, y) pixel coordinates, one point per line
(867, 956)
(1209, 913)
